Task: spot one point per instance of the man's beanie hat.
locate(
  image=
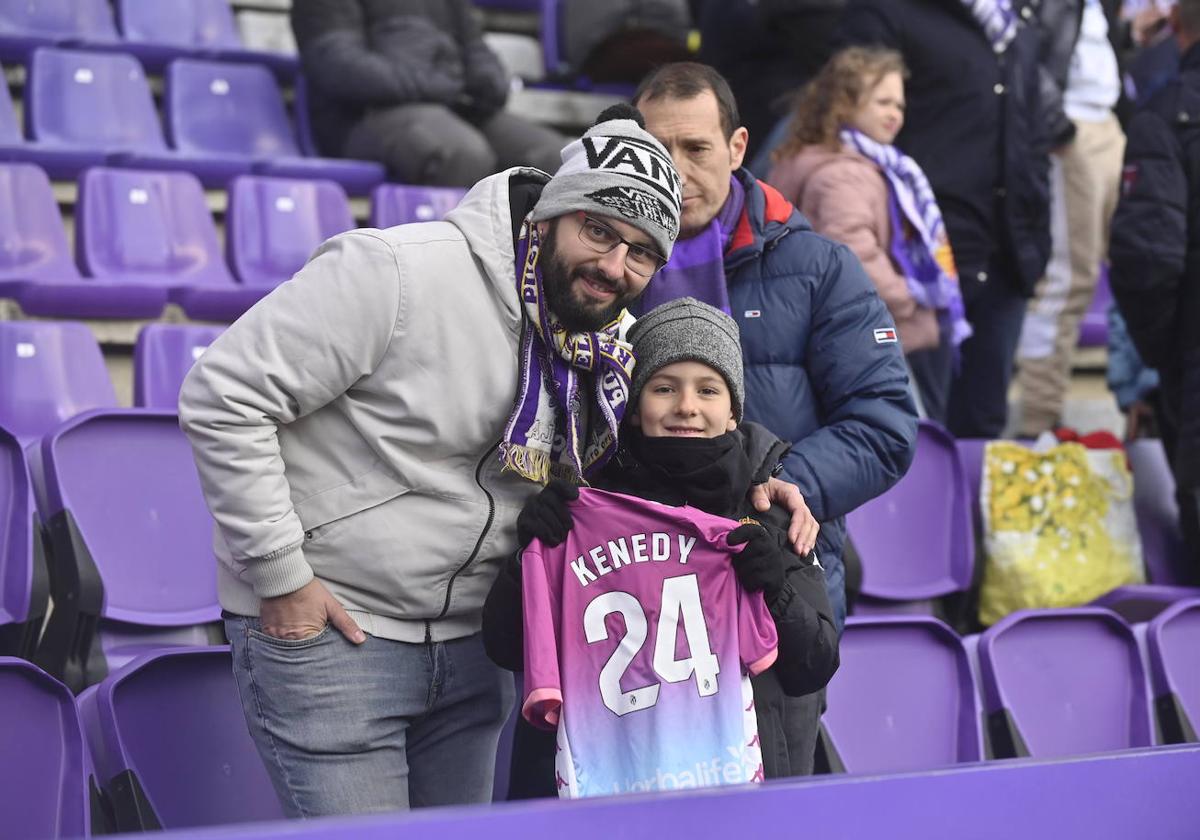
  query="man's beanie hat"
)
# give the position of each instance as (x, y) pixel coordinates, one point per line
(687, 330)
(617, 169)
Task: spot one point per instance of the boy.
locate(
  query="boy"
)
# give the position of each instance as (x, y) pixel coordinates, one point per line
(683, 443)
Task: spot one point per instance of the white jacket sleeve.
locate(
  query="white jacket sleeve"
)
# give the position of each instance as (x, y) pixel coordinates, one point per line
(296, 350)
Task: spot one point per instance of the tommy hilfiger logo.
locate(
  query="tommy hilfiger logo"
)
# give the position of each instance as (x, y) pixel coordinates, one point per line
(885, 336)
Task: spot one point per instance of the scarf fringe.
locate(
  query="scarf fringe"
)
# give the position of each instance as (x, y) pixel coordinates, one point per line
(536, 465)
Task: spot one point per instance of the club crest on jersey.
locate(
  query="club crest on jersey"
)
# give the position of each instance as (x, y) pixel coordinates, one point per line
(633, 203)
(886, 335)
(636, 159)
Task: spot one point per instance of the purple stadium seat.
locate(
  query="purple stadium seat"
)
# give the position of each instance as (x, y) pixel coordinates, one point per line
(43, 763)
(1167, 561)
(36, 269)
(235, 111)
(273, 225)
(28, 24)
(163, 355)
(1142, 602)
(170, 743)
(155, 228)
(158, 31)
(49, 372)
(14, 148)
(90, 108)
(24, 580)
(1063, 682)
(1173, 647)
(399, 204)
(916, 540)
(903, 699)
(1093, 329)
(132, 543)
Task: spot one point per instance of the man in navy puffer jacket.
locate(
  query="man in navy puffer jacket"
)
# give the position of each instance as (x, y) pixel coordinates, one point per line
(823, 368)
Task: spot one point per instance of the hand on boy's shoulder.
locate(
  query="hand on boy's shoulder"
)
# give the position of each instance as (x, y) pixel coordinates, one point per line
(802, 531)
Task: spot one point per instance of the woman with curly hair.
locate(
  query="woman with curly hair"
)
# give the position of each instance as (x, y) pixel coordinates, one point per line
(839, 167)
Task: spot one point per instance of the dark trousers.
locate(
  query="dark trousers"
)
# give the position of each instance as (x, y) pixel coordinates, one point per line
(978, 404)
(427, 143)
(932, 372)
(1179, 422)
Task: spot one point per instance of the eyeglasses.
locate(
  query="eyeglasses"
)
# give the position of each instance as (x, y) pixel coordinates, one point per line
(601, 238)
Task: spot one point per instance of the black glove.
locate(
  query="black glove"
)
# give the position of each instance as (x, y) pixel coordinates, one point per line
(546, 516)
(759, 566)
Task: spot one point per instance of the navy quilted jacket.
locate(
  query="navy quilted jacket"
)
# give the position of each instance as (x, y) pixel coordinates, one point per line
(821, 368)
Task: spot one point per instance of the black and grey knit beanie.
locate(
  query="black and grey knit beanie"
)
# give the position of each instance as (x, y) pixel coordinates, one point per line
(617, 169)
(682, 330)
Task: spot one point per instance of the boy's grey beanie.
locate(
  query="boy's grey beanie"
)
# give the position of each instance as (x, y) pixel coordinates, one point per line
(617, 169)
(687, 329)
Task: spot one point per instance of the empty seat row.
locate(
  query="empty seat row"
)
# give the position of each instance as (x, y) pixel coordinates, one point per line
(912, 695)
(154, 30)
(917, 540)
(159, 744)
(223, 119)
(163, 739)
(146, 238)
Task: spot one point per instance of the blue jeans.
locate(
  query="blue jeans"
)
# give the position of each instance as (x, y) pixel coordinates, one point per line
(383, 726)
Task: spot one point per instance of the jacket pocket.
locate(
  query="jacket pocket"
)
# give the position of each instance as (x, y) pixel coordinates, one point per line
(324, 513)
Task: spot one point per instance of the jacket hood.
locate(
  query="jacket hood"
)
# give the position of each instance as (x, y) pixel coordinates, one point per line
(809, 160)
(767, 217)
(489, 217)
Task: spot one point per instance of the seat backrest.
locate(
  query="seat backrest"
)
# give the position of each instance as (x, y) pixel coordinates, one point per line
(171, 726)
(1063, 682)
(1173, 646)
(43, 766)
(226, 108)
(59, 19)
(145, 526)
(399, 204)
(23, 582)
(163, 355)
(135, 225)
(33, 242)
(903, 698)
(91, 99)
(916, 539)
(179, 23)
(274, 225)
(49, 372)
(10, 130)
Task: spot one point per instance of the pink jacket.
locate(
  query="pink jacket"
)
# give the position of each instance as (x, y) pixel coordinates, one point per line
(845, 197)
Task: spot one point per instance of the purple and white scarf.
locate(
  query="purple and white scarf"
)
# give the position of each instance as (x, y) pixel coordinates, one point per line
(544, 437)
(697, 265)
(998, 20)
(922, 249)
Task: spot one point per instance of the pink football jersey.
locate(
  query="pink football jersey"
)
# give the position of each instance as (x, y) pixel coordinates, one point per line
(638, 645)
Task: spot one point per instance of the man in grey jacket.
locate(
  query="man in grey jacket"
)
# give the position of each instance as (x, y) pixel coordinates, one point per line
(365, 437)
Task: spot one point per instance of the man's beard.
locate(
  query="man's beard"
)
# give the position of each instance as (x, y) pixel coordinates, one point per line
(575, 314)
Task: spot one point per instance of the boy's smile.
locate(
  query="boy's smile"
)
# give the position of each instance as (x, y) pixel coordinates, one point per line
(685, 399)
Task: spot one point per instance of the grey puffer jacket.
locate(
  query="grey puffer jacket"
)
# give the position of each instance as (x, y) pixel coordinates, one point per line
(345, 428)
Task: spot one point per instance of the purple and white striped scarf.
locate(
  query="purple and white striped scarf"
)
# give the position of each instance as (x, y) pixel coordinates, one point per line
(922, 249)
(998, 20)
(559, 371)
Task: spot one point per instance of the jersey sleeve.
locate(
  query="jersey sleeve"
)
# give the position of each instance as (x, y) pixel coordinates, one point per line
(542, 607)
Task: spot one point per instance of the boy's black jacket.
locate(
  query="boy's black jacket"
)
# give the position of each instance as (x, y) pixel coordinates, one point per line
(717, 482)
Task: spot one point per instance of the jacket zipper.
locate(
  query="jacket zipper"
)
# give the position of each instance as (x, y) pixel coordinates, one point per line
(487, 526)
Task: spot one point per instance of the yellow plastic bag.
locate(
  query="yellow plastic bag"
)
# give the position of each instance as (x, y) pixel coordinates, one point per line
(1059, 527)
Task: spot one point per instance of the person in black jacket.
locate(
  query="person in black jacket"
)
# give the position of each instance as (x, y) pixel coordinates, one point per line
(975, 125)
(1154, 254)
(682, 444)
(411, 84)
